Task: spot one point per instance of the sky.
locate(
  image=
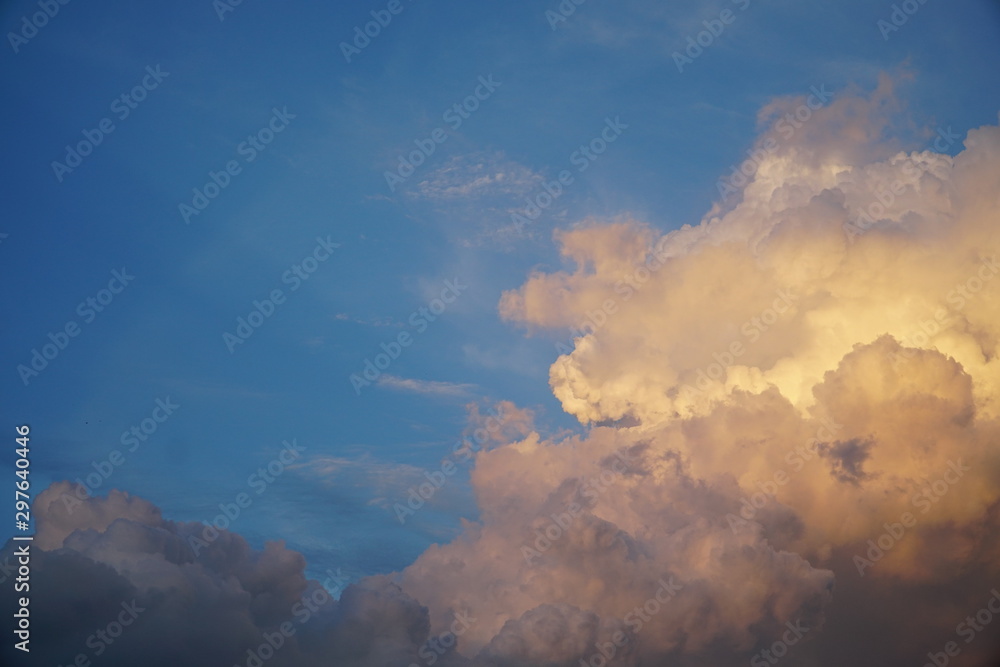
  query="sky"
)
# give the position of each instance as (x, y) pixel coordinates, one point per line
(527, 313)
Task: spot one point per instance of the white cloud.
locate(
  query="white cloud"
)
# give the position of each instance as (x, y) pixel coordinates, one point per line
(426, 387)
(478, 176)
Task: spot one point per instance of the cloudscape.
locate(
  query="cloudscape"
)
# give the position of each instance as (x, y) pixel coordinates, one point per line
(558, 335)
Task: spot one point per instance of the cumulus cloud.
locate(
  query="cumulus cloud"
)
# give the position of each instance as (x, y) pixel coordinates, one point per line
(116, 583)
(821, 349)
(804, 388)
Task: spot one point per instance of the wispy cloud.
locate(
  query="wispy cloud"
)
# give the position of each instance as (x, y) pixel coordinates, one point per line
(477, 176)
(368, 321)
(426, 387)
(365, 467)
(480, 191)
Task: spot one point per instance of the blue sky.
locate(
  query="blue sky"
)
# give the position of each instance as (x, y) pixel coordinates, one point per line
(323, 176)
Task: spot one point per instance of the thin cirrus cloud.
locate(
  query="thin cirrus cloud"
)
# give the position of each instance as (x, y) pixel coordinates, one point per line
(478, 175)
(425, 387)
(481, 191)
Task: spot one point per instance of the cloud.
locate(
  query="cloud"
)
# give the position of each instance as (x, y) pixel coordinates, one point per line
(790, 351)
(190, 603)
(792, 384)
(807, 406)
(481, 191)
(426, 387)
(478, 176)
(372, 321)
(333, 467)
